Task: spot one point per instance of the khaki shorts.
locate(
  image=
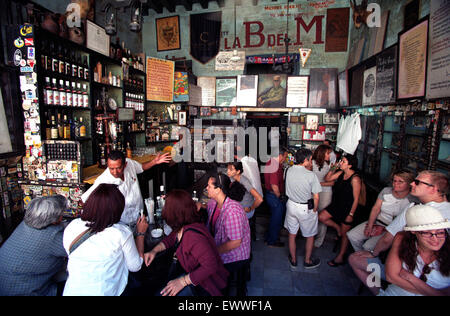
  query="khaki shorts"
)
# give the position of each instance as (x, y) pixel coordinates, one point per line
(299, 217)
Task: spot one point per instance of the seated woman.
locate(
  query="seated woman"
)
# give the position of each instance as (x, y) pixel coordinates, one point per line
(345, 202)
(228, 224)
(252, 199)
(34, 253)
(419, 260)
(102, 251)
(200, 271)
(390, 202)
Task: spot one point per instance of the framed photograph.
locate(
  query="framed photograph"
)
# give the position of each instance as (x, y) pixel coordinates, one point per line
(168, 33)
(247, 90)
(182, 118)
(297, 92)
(413, 53)
(330, 118)
(193, 111)
(312, 122)
(322, 88)
(272, 91)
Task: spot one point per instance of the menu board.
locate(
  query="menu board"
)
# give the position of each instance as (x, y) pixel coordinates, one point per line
(413, 62)
(297, 92)
(160, 79)
(387, 75)
(226, 92)
(208, 85)
(438, 80)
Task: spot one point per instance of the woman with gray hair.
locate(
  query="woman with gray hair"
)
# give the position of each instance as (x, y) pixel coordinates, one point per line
(34, 253)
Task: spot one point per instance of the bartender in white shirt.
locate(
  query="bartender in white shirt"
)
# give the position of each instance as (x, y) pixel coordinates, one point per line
(123, 172)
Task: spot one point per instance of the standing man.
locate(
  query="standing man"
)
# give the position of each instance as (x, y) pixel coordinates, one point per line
(123, 173)
(431, 187)
(274, 184)
(302, 188)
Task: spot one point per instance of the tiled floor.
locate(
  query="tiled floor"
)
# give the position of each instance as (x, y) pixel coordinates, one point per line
(271, 273)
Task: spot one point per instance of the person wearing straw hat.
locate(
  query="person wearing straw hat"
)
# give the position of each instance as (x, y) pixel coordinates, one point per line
(419, 260)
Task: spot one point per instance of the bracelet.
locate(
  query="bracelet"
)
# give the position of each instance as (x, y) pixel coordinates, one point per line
(140, 234)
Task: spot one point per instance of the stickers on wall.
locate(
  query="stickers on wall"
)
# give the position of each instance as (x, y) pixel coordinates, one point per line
(19, 43)
(31, 54)
(26, 30)
(29, 42)
(17, 57)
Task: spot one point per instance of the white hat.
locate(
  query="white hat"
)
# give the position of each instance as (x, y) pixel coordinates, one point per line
(424, 217)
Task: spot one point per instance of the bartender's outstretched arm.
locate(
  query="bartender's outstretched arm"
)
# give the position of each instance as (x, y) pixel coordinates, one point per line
(159, 159)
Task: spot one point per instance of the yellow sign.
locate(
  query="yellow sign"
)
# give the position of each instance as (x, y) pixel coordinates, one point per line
(160, 79)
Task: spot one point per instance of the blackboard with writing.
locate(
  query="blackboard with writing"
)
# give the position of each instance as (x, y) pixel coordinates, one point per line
(387, 75)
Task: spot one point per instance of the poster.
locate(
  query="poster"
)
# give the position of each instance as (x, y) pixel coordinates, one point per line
(387, 75)
(337, 30)
(297, 92)
(5, 140)
(369, 86)
(226, 92)
(227, 61)
(195, 95)
(413, 62)
(272, 91)
(438, 80)
(322, 88)
(343, 89)
(208, 85)
(181, 87)
(247, 90)
(168, 33)
(160, 80)
(96, 38)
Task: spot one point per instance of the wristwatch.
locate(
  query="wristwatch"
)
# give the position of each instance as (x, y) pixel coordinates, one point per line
(140, 234)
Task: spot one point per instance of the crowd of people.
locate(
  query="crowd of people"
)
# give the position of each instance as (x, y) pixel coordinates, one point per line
(402, 239)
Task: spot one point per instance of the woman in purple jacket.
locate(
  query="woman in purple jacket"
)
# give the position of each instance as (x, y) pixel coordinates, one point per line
(200, 270)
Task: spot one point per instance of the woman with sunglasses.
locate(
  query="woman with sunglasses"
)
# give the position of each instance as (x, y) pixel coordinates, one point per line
(419, 260)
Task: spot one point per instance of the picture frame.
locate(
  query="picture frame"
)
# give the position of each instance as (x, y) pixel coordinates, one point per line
(312, 122)
(297, 92)
(272, 91)
(247, 90)
(331, 118)
(226, 91)
(205, 111)
(412, 65)
(182, 118)
(322, 88)
(168, 33)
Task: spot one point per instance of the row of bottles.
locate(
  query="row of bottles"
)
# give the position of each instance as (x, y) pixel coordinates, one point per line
(134, 101)
(102, 75)
(61, 126)
(121, 53)
(65, 93)
(58, 59)
(137, 125)
(133, 83)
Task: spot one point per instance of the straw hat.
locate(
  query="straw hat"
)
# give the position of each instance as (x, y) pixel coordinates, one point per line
(424, 217)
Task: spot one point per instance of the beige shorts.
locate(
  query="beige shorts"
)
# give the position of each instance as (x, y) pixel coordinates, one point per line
(299, 217)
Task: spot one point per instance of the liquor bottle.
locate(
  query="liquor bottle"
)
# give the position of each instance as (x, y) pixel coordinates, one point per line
(80, 67)
(67, 63)
(48, 128)
(82, 128)
(55, 61)
(62, 93)
(69, 95)
(60, 127)
(86, 68)
(129, 152)
(48, 92)
(61, 61)
(66, 128)
(56, 99)
(74, 65)
(54, 129)
(85, 96)
(74, 128)
(74, 95)
(102, 160)
(110, 79)
(80, 95)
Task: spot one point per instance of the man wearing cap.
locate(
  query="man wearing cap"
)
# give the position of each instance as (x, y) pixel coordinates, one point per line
(431, 188)
(419, 260)
(274, 97)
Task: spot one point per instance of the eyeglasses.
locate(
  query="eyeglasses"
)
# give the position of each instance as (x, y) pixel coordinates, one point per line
(417, 182)
(439, 235)
(426, 270)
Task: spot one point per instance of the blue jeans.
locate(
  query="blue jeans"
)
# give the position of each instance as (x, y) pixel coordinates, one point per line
(278, 210)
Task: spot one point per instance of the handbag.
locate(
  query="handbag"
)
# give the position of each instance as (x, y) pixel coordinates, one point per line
(81, 238)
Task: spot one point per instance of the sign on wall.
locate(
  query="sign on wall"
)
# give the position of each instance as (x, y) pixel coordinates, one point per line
(160, 79)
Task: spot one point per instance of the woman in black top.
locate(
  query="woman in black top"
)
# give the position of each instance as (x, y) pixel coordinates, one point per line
(346, 198)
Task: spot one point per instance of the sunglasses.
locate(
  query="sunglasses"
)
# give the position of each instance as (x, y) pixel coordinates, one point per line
(426, 270)
(418, 182)
(439, 235)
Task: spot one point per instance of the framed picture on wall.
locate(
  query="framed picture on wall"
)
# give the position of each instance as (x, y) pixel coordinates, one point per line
(247, 90)
(312, 122)
(182, 118)
(322, 88)
(272, 91)
(412, 69)
(168, 33)
(226, 92)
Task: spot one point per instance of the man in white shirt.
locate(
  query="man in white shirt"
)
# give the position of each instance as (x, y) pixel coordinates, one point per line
(123, 173)
(431, 188)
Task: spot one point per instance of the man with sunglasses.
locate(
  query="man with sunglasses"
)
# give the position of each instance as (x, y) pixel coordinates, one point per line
(431, 188)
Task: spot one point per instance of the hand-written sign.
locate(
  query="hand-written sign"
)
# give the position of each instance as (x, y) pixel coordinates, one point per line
(160, 79)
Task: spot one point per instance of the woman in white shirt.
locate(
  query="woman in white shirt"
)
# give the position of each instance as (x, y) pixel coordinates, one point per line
(321, 166)
(419, 260)
(102, 251)
(390, 202)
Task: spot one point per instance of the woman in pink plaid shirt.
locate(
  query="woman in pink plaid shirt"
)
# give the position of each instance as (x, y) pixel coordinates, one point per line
(228, 224)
